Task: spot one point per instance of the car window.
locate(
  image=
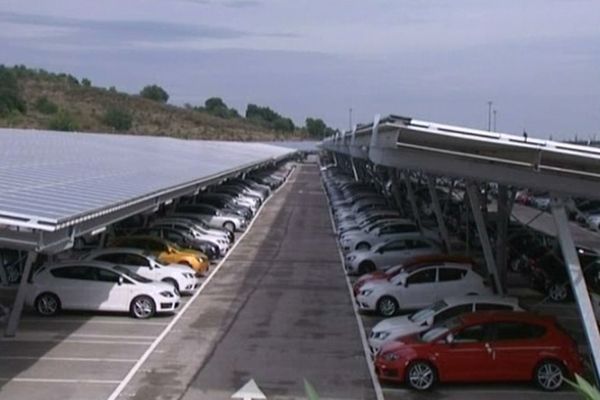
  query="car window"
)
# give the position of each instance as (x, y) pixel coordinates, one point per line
(416, 244)
(135, 259)
(75, 272)
(424, 276)
(114, 258)
(103, 275)
(451, 312)
(154, 245)
(492, 306)
(471, 334)
(394, 246)
(451, 274)
(517, 331)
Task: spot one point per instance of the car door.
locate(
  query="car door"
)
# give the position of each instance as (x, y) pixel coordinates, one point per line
(468, 357)
(420, 288)
(391, 253)
(516, 348)
(450, 282)
(109, 294)
(68, 283)
(140, 265)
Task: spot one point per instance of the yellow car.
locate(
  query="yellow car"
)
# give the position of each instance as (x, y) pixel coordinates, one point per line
(165, 251)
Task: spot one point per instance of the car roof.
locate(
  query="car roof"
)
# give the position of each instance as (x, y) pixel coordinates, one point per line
(504, 316)
(79, 263)
(131, 250)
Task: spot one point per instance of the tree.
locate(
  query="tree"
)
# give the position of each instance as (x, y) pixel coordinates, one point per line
(216, 106)
(86, 82)
(45, 106)
(269, 118)
(10, 95)
(316, 127)
(118, 119)
(155, 92)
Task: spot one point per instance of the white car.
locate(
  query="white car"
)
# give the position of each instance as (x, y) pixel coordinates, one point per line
(145, 264)
(214, 217)
(220, 240)
(593, 220)
(391, 252)
(416, 288)
(435, 314)
(98, 286)
(364, 240)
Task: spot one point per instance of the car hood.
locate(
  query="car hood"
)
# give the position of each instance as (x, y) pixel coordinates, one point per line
(394, 323)
(179, 267)
(378, 284)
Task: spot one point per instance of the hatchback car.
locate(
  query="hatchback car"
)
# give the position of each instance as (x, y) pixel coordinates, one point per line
(492, 346)
(98, 286)
(418, 287)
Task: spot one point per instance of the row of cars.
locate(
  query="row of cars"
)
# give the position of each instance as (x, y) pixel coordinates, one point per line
(443, 322)
(146, 267)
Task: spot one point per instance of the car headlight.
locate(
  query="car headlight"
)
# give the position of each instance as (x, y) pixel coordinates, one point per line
(366, 292)
(382, 335)
(390, 356)
(351, 258)
(166, 293)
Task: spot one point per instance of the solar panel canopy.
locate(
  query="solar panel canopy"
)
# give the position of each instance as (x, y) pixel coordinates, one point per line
(50, 180)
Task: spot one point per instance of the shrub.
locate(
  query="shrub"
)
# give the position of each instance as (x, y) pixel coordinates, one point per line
(63, 121)
(155, 92)
(119, 120)
(86, 82)
(10, 96)
(45, 106)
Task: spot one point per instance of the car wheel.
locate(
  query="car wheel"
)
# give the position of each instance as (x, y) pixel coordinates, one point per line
(173, 283)
(47, 304)
(230, 226)
(558, 292)
(421, 375)
(365, 267)
(549, 375)
(142, 307)
(363, 246)
(387, 306)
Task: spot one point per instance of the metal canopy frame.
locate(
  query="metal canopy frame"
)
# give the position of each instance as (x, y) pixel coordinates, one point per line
(438, 149)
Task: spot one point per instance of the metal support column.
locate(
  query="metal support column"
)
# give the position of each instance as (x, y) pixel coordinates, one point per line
(474, 200)
(435, 202)
(413, 201)
(577, 281)
(3, 277)
(17, 309)
(395, 190)
(503, 215)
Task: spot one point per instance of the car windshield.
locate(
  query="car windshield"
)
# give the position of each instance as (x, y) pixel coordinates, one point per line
(425, 313)
(131, 274)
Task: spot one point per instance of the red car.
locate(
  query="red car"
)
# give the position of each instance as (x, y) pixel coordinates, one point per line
(483, 347)
(417, 262)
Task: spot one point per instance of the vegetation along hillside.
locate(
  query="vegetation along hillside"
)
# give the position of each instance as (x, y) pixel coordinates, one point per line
(31, 98)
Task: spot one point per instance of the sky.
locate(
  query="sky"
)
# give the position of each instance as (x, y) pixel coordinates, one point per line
(538, 61)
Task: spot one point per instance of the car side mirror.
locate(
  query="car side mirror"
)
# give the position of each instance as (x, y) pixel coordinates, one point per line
(120, 280)
(450, 338)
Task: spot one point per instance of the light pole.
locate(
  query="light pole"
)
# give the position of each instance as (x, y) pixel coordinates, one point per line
(350, 118)
(490, 115)
(495, 113)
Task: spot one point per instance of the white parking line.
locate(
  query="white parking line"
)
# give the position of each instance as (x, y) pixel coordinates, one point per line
(361, 327)
(81, 359)
(169, 327)
(46, 380)
(90, 321)
(67, 340)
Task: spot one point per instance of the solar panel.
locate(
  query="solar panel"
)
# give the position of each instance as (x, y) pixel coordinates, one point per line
(51, 178)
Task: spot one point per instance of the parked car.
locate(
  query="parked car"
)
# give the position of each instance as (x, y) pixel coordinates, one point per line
(365, 239)
(391, 252)
(436, 314)
(145, 264)
(416, 288)
(492, 346)
(183, 239)
(165, 251)
(214, 217)
(413, 263)
(98, 286)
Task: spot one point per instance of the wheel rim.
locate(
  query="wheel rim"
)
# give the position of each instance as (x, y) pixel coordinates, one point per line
(387, 307)
(421, 376)
(558, 292)
(550, 376)
(47, 305)
(143, 308)
(363, 246)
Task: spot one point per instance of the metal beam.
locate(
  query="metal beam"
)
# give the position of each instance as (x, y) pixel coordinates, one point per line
(3, 277)
(413, 201)
(17, 309)
(435, 202)
(473, 193)
(577, 279)
(502, 215)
